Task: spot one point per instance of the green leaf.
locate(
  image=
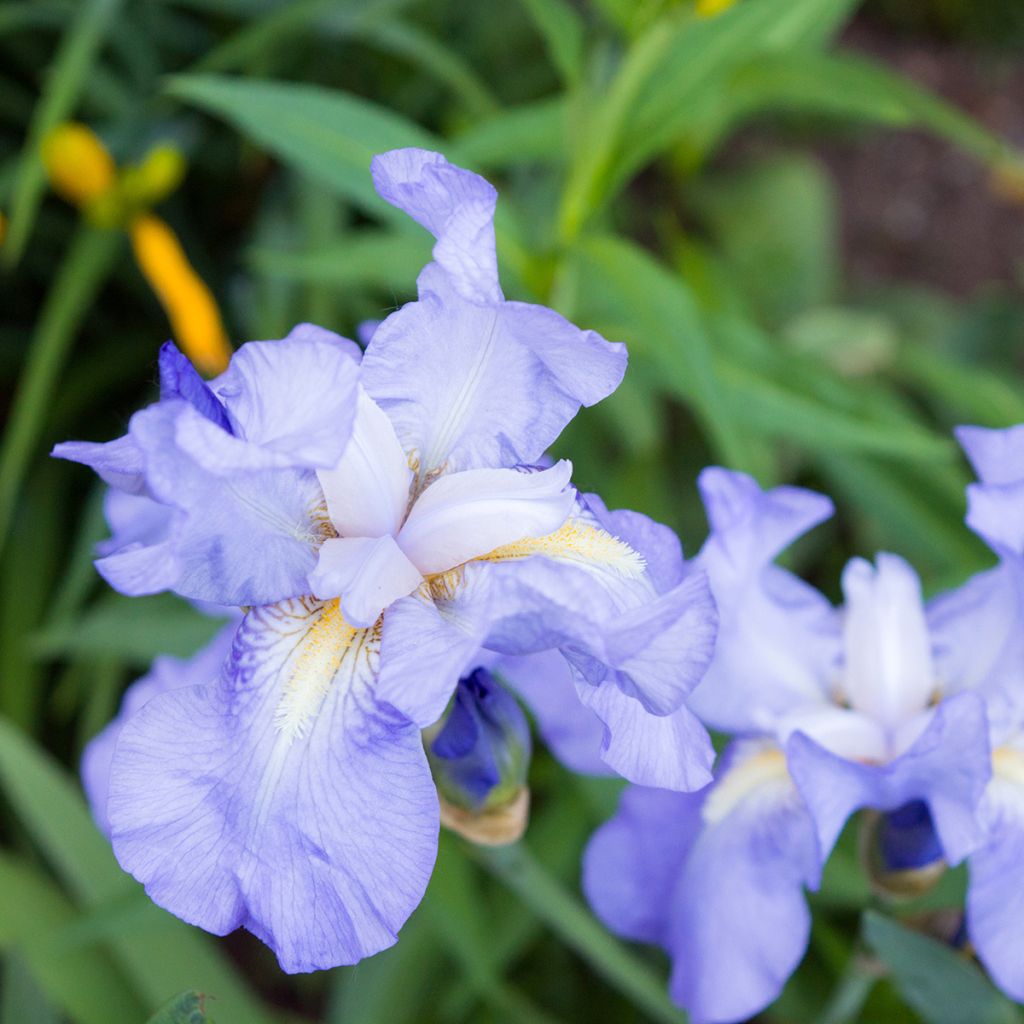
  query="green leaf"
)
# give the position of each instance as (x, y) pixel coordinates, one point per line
(936, 981)
(67, 75)
(132, 629)
(79, 980)
(329, 135)
(852, 87)
(187, 1008)
(76, 282)
(562, 30)
(535, 132)
(625, 285)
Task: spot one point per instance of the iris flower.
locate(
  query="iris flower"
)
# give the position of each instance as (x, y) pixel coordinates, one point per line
(383, 519)
(890, 703)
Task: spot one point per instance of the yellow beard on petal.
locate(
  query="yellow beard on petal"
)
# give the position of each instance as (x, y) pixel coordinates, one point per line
(763, 767)
(576, 541)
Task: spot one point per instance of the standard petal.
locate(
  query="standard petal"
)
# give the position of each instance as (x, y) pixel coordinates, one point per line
(996, 455)
(778, 638)
(295, 398)
(368, 491)
(284, 799)
(572, 732)
(739, 921)
(469, 386)
(455, 206)
(166, 674)
(978, 642)
(462, 516)
(367, 573)
(225, 518)
(179, 379)
(634, 861)
(947, 768)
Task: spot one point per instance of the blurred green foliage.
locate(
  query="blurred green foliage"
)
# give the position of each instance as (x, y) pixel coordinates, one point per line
(604, 125)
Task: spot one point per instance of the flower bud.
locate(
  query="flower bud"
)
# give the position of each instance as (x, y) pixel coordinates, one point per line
(480, 758)
(78, 165)
(904, 855)
(155, 178)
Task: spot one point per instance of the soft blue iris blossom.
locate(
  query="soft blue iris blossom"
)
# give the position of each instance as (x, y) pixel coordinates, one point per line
(383, 519)
(887, 702)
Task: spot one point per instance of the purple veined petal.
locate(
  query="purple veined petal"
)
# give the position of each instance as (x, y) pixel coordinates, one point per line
(117, 463)
(284, 799)
(455, 206)
(779, 640)
(633, 863)
(887, 672)
(996, 455)
(464, 515)
(426, 647)
(225, 518)
(978, 642)
(367, 492)
(368, 573)
(947, 768)
(739, 921)
(180, 379)
(294, 398)
(670, 751)
(471, 386)
(572, 732)
(995, 892)
(166, 674)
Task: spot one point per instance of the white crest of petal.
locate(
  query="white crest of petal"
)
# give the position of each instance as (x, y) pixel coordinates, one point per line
(368, 573)
(368, 491)
(465, 515)
(888, 672)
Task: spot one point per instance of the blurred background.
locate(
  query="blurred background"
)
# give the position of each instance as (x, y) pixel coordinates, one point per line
(804, 217)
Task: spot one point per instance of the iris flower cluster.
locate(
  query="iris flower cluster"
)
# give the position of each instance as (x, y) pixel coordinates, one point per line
(912, 709)
(386, 522)
(394, 552)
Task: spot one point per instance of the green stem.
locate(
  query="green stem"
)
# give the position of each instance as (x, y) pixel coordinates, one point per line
(80, 276)
(565, 915)
(851, 992)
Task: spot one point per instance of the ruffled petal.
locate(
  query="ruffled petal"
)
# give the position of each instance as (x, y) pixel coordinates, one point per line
(284, 799)
(226, 516)
(778, 638)
(368, 490)
(670, 751)
(368, 573)
(180, 380)
(469, 386)
(740, 924)
(995, 507)
(633, 863)
(572, 732)
(295, 398)
(996, 455)
(117, 463)
(166, 674)
(947, 768)
(464, 515)
(455, 206)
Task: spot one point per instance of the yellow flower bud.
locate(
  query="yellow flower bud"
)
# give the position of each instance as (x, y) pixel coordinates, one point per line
(709, 8)
(155, 178)
(78, 164)
(3, 228)
(191, 308)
